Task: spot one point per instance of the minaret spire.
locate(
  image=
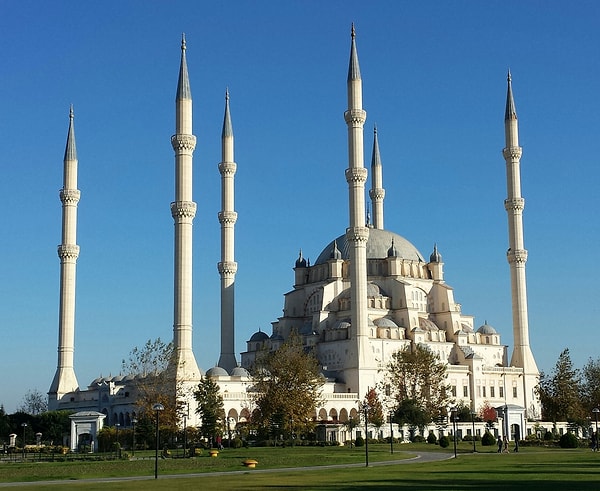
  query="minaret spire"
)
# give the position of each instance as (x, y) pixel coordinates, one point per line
(376, 193)
(357, 233)
(183, 210)
(517, 254)
(68, 251)
(227, 266)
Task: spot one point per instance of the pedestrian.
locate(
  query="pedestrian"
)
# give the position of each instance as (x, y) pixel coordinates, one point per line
(594, 442)
(499, 444)
(506, 445)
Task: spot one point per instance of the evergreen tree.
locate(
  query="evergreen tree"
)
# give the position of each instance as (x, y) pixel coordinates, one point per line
(210, 408)
(561, 392)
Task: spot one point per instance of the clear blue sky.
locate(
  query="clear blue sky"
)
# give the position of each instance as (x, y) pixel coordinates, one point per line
(434, 76)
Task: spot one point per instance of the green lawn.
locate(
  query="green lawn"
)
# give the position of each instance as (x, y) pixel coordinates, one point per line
(532, 469)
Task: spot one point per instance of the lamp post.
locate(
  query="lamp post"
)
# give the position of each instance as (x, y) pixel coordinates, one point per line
(391, 432)
(117, 426)
(157, 408)
(473, 423)
(596, 411)
(453, 410)
(133, 422)
(24, 425)
(365, 408)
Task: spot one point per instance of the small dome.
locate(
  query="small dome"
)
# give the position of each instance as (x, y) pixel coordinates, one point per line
(118, 378)
(300, 262)
(435, 257)
(239, 372)
(276, 337)
(392, 251)
(129, 378)
(259, 336)
(486, 329)
(216, 372)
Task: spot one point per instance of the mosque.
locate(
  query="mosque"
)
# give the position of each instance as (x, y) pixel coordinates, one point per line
(369, 294)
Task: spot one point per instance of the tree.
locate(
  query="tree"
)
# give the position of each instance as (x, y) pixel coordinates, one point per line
(418, 376)
(287, 388)
(34, 403)
(410, 412)
(153, 367)
(375, 411)
(488, 414)
(560, 393)
(210, 408)
(53, 425)
(591, 384)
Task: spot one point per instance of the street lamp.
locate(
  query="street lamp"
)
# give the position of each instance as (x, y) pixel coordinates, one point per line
(391, 432)
(117, 425)
(596, 411)
(453, 410)
(24, 425)
(473, 423)
(157, 408)
(133, 421)
(365, 408)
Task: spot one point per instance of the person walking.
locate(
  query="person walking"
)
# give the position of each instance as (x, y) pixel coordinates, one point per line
(499, 444)
(506, 445)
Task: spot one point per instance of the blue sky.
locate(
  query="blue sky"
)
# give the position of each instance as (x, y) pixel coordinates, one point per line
(434, 78)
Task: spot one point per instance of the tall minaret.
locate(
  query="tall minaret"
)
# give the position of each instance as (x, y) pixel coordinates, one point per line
(65, 380)
(517, 254)
(357, 233)
(183, 210)
(377, 193)
(227, 266)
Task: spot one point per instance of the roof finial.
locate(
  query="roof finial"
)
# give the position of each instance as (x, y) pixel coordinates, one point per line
(353, 32)
(71, 114)
(509, 77)
(183, 41)
(226, 93)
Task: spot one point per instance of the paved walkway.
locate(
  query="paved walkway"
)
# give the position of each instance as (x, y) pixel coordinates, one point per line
(424, 457)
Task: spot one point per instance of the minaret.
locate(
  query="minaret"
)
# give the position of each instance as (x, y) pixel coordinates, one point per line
(227, 267)
(65, 380)
(357, 233)
(183, 210)
(377, 193)
(517, 254)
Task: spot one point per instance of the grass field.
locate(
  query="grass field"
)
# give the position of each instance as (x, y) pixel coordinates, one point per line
(532, 469)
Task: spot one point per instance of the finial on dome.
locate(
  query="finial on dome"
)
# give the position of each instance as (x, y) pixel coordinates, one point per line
(509, 77)
(353, 32)
(71, 113)
(226, 93)
(183, 41)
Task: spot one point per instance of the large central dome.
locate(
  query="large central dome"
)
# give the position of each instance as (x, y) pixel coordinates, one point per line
(378, 245)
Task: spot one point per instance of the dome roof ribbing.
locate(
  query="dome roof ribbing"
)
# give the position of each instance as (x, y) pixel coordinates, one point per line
(377, 247)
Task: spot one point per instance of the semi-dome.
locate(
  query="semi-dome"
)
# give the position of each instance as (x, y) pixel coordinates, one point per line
(385, 322)
(378, 246)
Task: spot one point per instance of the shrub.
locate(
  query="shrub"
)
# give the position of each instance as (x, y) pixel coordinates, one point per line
(417, 439)
(444, 441)
(569, 440)
(548, 436)
(360, 441)
(431, 438)
(488, 439)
